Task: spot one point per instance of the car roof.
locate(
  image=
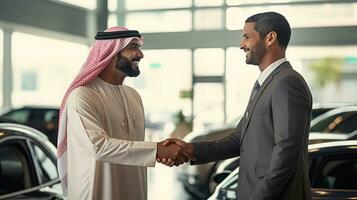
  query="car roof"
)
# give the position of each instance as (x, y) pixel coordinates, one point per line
(23, 129)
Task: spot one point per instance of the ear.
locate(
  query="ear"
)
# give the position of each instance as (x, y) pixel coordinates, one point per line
(271, 38)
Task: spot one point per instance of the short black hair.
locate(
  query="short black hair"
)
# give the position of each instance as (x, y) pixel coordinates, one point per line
(271, 21)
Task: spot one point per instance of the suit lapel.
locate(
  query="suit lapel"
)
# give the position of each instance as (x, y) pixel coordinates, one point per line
(250, 107)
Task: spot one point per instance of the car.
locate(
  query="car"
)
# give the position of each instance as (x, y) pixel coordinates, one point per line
(27, 164)
(195, 178)
(42, 118)
(198, 180)
(225, 167)
(332, 172)
(340, 120)
(222, 170)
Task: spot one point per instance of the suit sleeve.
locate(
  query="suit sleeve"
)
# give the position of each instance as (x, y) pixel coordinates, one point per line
(86, 123)
(224, 148)
(291, 106)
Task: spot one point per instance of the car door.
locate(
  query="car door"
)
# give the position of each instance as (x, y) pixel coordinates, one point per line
(335, 176)
(27, 170)
(17, 172)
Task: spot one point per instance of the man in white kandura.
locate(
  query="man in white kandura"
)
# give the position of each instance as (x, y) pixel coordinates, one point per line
(101, 152)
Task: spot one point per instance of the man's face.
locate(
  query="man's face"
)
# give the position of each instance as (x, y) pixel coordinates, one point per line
(252, 45)
(129, 58)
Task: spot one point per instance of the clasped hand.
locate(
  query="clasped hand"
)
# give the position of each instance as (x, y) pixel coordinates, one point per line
(173, 151)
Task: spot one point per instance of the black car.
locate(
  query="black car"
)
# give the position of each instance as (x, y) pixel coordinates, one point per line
(43, 118)
(225, 167)
(332, 167)
(27, 164)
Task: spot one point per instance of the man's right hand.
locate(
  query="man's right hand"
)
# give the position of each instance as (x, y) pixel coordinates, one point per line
(171, 154)
(185, 153)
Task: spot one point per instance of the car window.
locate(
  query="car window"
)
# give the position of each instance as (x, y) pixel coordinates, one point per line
(16, 169)
(51, 116)
(20, 116)
(48, 171)
(336, 123)
(347, 125)
(338, 174)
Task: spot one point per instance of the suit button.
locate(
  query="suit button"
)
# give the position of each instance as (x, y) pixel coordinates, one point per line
(242, 149)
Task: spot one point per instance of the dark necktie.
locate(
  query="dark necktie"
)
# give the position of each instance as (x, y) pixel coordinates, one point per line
(251, 99)
(254, 91)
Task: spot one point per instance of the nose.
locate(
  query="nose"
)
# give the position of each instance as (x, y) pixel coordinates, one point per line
(241, 45)
(140, 54)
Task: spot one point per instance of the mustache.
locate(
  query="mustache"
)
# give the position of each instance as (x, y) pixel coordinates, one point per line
(136, 59)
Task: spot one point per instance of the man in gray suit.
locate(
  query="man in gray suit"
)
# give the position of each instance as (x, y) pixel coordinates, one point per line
(272, 137)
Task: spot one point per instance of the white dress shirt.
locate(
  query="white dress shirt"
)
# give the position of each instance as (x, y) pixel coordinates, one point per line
(267, 71)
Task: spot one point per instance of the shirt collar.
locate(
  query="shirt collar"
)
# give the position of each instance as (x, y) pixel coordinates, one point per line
(267, 71)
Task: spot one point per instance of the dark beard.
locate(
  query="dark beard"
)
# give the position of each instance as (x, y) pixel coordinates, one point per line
(256, 54)
(124, 65)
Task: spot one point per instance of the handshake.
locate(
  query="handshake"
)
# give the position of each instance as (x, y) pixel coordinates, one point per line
(173, 151)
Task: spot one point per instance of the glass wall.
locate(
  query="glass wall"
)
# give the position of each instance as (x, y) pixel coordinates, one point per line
(299, 15)
(240, 79)
(330, 71)
(216, 101)
(43, 68)
(156, 4)
(165, 76)
(160, 21)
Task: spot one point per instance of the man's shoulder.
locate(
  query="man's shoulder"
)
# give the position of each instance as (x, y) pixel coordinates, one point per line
(82, 93)
(287, 73)
(132, 91)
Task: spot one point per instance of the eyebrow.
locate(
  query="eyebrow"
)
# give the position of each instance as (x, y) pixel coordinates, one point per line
(135, 44)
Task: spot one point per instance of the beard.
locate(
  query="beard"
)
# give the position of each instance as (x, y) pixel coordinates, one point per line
(256, 54)
(126, 66)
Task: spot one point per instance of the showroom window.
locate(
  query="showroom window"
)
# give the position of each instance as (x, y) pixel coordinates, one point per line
(298, 15)
(208, 19)
(330, 71)
(112, 20)
(208, 104)
(43, 68)
(165, 74)
(240, 79)
(160, 21)
(208, 3)
(156, 4)
(209, 61)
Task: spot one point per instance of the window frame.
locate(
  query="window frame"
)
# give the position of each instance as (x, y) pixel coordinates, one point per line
(39, 172)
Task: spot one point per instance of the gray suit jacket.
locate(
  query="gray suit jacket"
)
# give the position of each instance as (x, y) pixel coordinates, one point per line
(271, 140)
